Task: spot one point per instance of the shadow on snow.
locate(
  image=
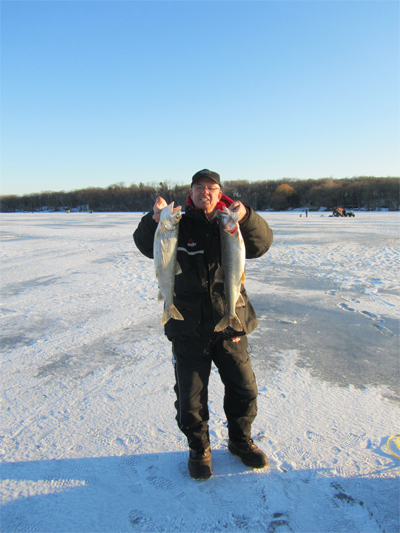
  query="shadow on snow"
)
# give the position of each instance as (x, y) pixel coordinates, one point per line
(153, 492)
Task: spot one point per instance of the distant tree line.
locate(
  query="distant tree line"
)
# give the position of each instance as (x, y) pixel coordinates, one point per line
(369, 193)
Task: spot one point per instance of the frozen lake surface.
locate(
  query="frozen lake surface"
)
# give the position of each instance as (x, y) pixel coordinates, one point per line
(89, 441)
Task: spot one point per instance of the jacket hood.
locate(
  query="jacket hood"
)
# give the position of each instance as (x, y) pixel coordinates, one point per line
(224, 201)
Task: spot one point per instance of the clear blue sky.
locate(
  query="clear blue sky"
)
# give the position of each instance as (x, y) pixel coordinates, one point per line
(99, 92)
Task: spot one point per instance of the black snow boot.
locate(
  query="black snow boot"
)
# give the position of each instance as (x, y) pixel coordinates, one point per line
(200, 464)
(248, 452)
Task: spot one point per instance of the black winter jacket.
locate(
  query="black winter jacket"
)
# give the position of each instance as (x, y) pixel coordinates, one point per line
(200, 300)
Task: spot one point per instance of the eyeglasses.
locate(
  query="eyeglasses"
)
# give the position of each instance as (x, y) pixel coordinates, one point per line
(205, 188)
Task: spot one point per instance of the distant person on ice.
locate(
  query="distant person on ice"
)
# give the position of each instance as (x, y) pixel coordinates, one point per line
(201, 301)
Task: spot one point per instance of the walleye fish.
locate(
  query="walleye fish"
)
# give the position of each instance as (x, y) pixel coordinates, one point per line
(165, 249)
(231, 271)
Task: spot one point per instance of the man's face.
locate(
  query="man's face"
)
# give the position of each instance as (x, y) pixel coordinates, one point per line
(205, 195)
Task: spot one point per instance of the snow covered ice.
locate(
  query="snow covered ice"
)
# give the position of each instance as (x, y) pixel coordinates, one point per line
(89, 441)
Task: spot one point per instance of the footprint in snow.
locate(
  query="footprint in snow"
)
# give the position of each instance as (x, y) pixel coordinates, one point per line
(314, 437)
(384, 330)
(341, 499)
(344, 498)
(241, 522)
(380, 327)
(345, 307)
(127, 466)
(351, 440)
(369, 315)
(140, 522)
(161, 483)
(280, 524)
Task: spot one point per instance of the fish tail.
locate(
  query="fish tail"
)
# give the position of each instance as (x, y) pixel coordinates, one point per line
(171, 312)
(229, 320)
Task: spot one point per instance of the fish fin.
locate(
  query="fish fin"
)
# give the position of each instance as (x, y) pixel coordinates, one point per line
(235, 323)
(172, 312)
(165, 317)
(178, 269)
(232, 321)
(160, 296)
(222, 324)
(242, 281)
(240, 301)
(219, 276)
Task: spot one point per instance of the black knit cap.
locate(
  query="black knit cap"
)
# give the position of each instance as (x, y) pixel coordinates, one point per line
(206, 174)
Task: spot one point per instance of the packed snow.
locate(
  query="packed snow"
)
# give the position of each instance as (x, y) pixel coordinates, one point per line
(89, 441)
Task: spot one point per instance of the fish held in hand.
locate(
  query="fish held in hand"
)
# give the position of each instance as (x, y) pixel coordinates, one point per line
(165, 259)
(231, 271)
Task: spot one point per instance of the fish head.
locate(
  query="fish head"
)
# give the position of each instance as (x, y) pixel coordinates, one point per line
(228, 219)
(170, 216)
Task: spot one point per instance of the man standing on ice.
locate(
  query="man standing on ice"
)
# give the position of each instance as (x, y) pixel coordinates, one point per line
(201, 301)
